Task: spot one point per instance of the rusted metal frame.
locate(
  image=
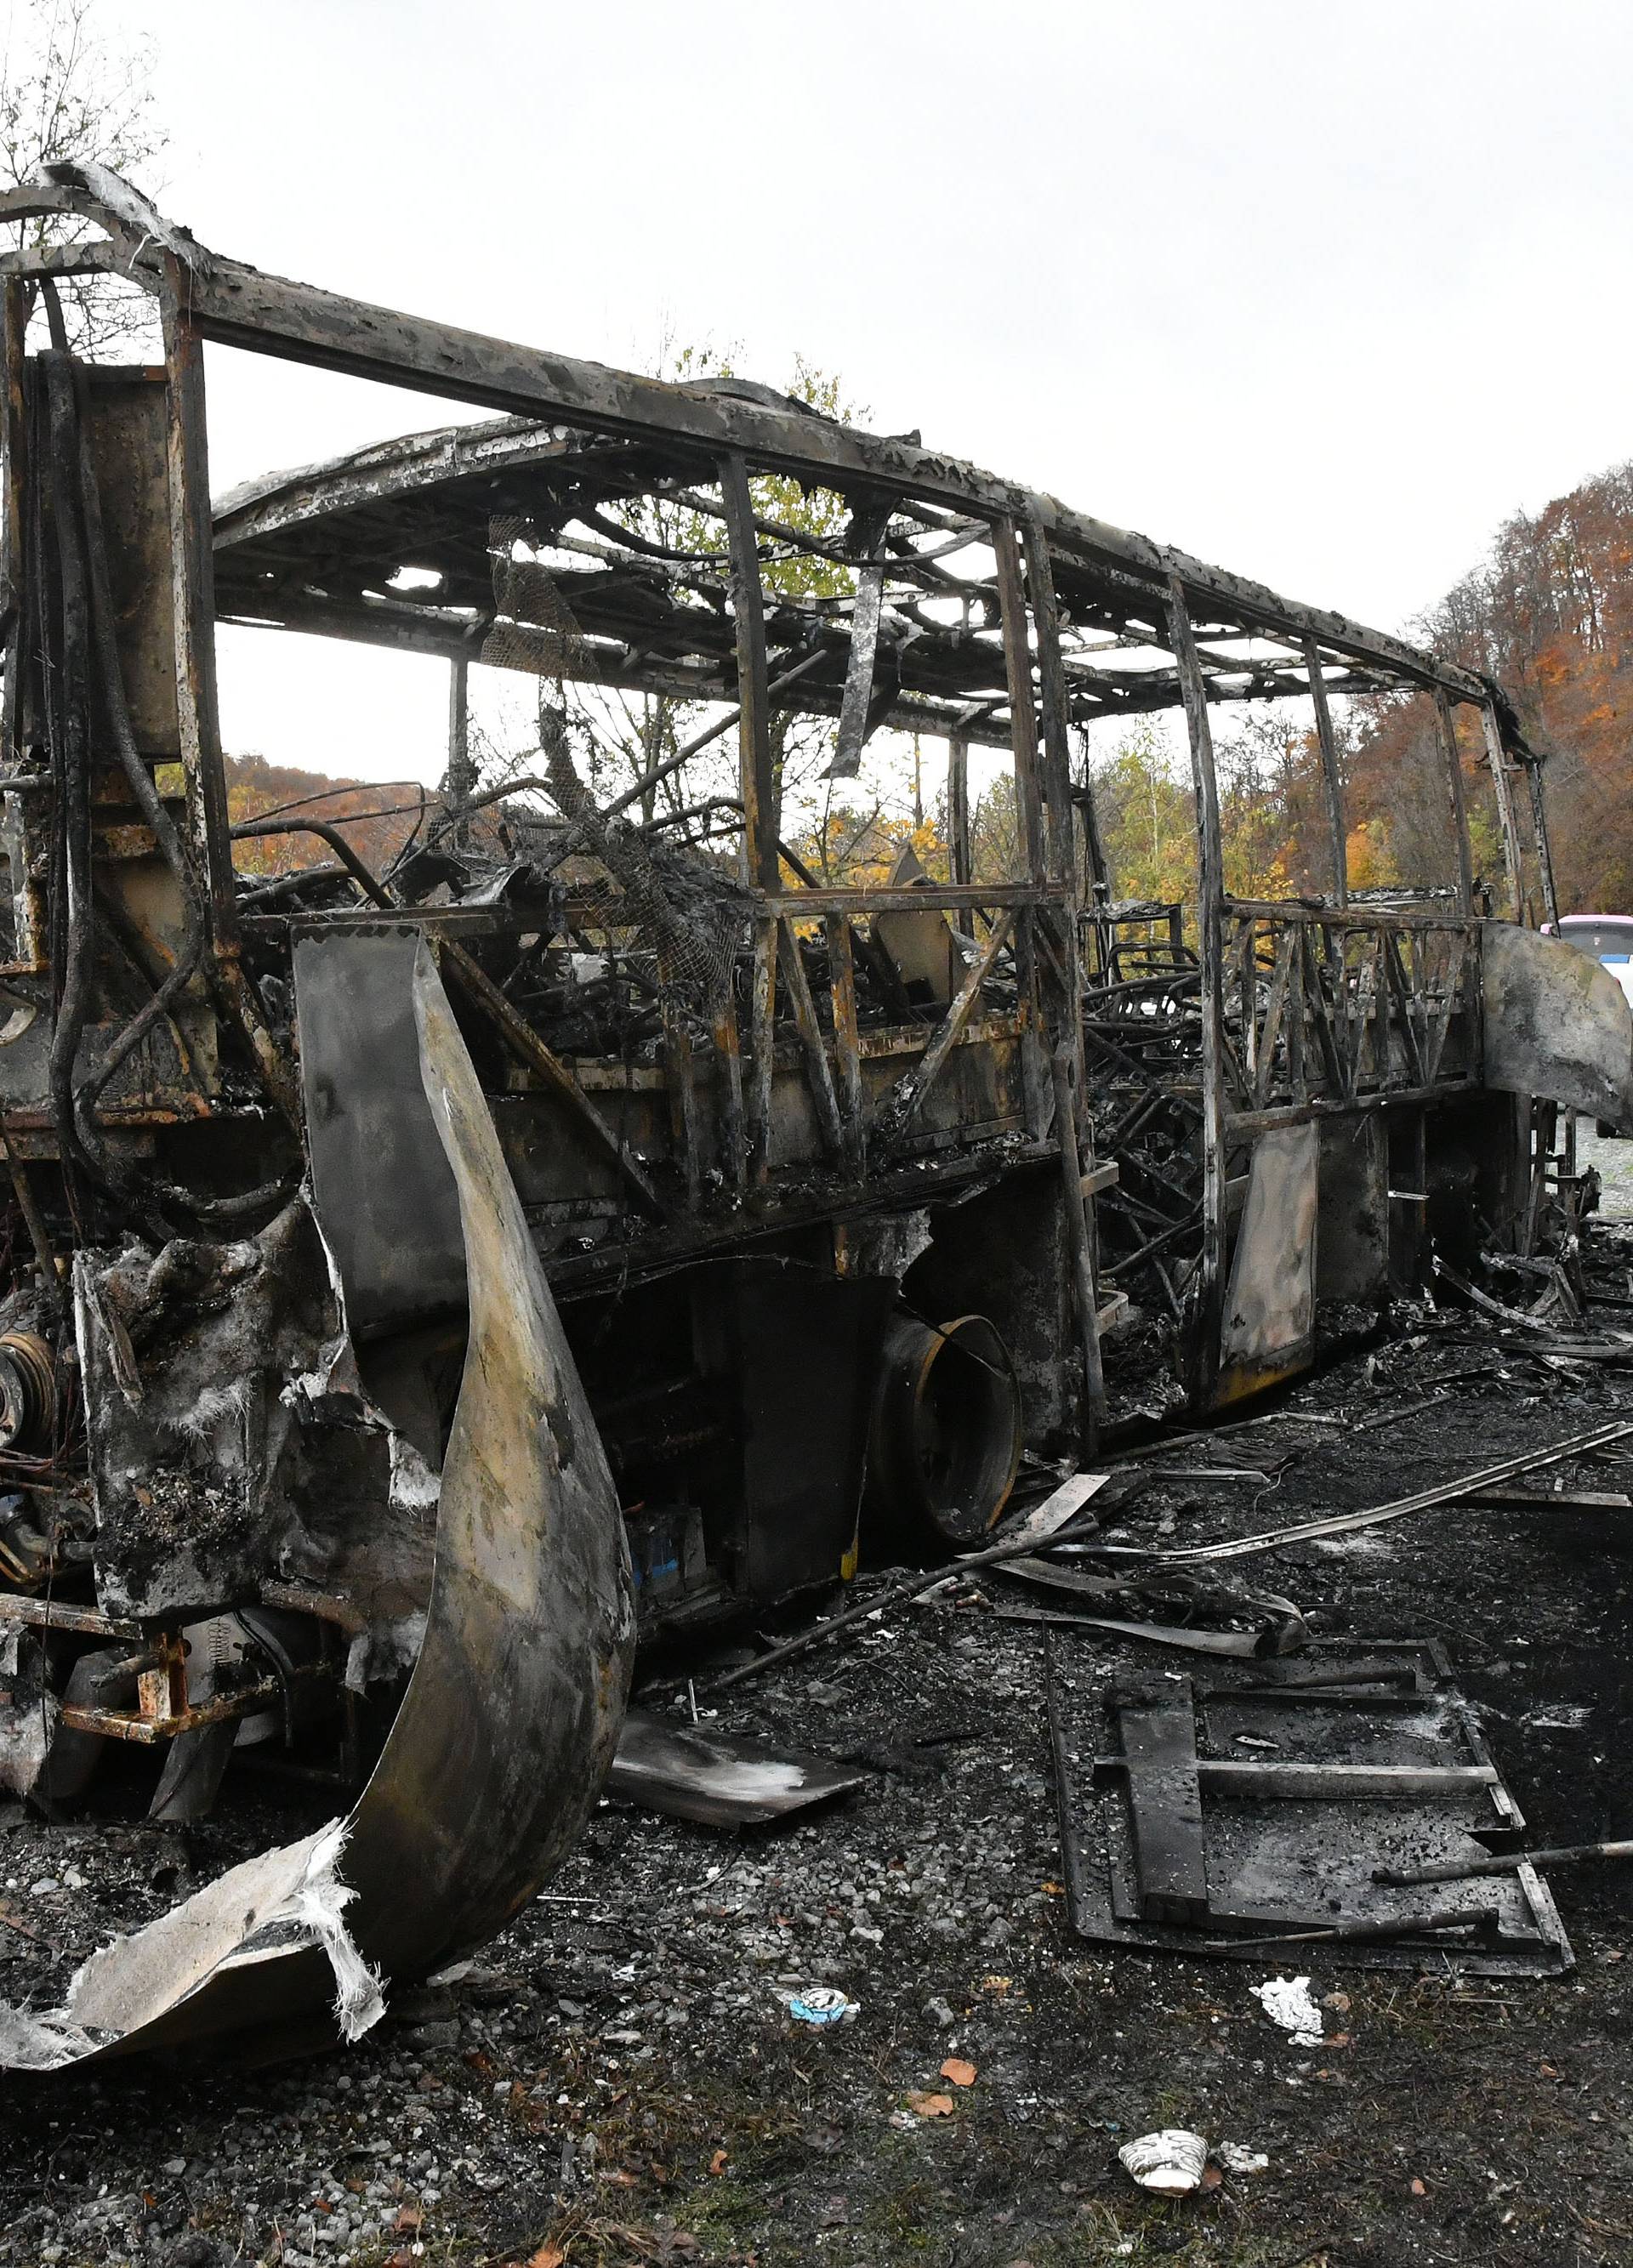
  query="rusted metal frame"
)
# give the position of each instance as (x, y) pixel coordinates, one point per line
(146, 1730)
(1459, 806)
(758, 788)
(461, 773)
(1232, 1068)
(1314, 1005)
(920, 897)
(1057, 932)
(1512, 856)
(239, 305)
(902, 1106)
(1037, 1038)
(762, 1046)
(1018, 661)
(27, 896)
(1210, 922)
(1056, 769)
(61, 260)
(819, 1075)
(1245, 964)
(1244, 1125)
(1345, 1004)
(1367, 918)
(1545, 857)
(405, 628)
(1330, 773)
(54, 1614)
(192, 597)
(958, 822)
(846, 1040)
(1375, 1020)
(1439, 1019)
(531, 1051)
(733, 1139)
(161, 1689)
(1293, 1018)
(1407, 962)
(1405, 999)
(1275, 1006)
(1079, 1236)
(1034, 1084)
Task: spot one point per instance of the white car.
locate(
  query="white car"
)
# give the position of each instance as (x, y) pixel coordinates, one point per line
(1608, 938)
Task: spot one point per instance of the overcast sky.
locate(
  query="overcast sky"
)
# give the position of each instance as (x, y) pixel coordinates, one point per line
(1321, 294)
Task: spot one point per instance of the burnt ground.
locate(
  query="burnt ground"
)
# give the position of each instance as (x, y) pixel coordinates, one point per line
(617, 2080)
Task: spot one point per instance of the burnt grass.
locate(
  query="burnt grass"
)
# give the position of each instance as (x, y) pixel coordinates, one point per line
(615, 2078)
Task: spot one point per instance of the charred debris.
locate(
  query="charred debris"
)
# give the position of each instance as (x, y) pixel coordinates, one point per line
(420, 1281)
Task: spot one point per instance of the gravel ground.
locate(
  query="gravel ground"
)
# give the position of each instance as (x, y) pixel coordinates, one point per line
(1611, 1156)
(618, 2080)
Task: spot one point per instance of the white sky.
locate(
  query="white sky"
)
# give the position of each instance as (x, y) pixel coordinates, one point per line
(1320, 294)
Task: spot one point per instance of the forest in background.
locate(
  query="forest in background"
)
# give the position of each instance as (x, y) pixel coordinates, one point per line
(1550, 615)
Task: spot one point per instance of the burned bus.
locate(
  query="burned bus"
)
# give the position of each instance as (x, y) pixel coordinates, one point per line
(421, 1278)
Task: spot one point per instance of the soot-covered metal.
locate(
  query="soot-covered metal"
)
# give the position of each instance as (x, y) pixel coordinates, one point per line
(414, 1278)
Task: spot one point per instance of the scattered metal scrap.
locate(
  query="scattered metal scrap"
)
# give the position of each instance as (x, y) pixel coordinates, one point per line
(1249, 1805)
(1348, 1524)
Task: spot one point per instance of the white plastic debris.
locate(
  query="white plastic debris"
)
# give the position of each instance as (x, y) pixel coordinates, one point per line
(1287, 2001)
(1172, 2162)
(1237, 2158)
(820, 2004)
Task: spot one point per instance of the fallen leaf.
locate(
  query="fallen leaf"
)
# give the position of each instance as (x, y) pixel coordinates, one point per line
(1337, 2001)
(548, 2256)
(997, 1983)
(961, 2073)
(1211, 2177)
(1339, 2040)
(930, 2106)
(1053, 1890)
(718, 2162)
(407, 2220)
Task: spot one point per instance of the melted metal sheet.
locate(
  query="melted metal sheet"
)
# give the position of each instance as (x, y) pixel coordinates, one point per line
(508, 1727)
(716, 1778)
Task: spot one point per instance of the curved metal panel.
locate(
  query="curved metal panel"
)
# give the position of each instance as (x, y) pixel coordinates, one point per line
(1556, 1024)
(512, 1716)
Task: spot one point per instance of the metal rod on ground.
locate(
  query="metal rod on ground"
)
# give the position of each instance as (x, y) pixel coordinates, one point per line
(906, 1586)
(1346, 1523)
(1085, 1291)
(1359, 1933)
(1503, 1862)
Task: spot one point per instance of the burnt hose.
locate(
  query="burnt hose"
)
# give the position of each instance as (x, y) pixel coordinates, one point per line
(359, 872)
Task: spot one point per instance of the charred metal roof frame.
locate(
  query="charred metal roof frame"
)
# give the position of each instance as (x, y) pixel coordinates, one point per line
(233, 303)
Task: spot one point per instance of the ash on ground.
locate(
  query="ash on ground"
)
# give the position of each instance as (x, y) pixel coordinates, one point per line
(618, 2078)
